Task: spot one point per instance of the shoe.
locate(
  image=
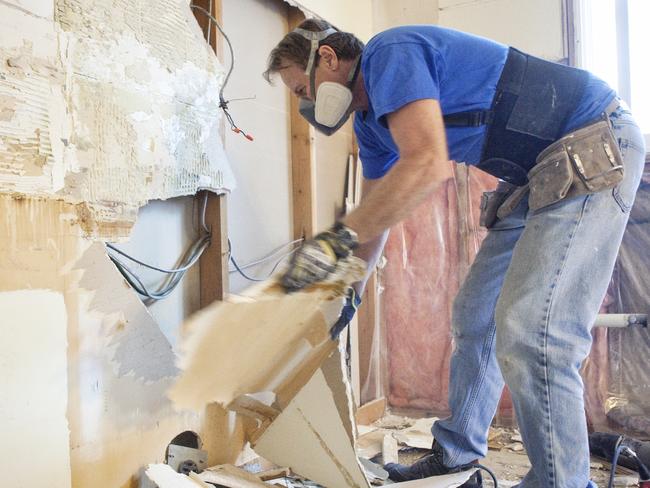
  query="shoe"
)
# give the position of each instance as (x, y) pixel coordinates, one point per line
(430, 465)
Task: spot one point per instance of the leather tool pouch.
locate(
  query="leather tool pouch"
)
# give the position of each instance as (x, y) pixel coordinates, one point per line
(584, 161)
(491, 201)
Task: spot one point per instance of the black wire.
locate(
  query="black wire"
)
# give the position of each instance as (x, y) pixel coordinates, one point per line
(232, 52)
(488, 471)
(223, 103)
(617, 451)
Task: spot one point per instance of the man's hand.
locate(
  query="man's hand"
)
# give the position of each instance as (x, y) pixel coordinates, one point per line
(317, 258)
(351, 306)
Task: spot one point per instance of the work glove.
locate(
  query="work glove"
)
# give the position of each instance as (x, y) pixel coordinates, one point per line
(351, 306)
(318, 257)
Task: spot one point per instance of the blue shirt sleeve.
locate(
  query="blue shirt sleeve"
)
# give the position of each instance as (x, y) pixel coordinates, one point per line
(376, 159)
(400, 73)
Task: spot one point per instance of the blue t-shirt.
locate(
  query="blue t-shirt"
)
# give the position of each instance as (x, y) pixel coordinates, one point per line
(460, 70)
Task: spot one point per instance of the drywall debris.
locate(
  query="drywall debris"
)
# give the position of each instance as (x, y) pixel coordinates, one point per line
(231, 476)
(389, 449)
(165, 477)
(418, 435)
(273, 342)
(309, 437)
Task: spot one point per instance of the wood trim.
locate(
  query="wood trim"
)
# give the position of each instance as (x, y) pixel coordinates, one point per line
(370, 412)
(303, 172)
(213, 265)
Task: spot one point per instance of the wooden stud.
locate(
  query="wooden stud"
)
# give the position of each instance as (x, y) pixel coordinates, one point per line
(214, 279)
(213, 265)
(302, 160)
(370, 412)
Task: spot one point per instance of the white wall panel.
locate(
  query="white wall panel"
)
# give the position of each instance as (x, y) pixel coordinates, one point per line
(534, 26)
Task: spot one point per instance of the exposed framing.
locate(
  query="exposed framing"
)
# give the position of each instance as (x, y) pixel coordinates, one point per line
(213, 265)
(303, 171)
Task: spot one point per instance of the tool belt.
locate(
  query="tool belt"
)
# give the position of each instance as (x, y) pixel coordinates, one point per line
(584, 161)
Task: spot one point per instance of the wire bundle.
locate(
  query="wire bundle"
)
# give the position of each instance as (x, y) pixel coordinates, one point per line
(189, 259)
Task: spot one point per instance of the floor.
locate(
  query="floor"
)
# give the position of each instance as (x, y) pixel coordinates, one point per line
(506, 456)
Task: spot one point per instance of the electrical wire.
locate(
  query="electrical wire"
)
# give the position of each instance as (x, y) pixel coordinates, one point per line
(223, 103)
(617, 451)
(240, 269)
(271, 255)
(175, 275)
(191, 256)
(488, 471)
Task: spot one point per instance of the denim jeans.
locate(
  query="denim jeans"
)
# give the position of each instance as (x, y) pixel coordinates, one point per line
(524, 315)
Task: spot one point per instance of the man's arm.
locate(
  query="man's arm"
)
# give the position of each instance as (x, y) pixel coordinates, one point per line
(369, 251)
(419, 133)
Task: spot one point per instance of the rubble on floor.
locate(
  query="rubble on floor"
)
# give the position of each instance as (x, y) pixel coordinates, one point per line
(506, 455)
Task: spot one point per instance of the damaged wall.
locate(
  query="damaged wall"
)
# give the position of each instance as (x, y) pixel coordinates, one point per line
(108, 105)
(104, 105)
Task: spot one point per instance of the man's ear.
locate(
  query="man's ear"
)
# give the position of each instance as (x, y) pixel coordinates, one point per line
(328, 57)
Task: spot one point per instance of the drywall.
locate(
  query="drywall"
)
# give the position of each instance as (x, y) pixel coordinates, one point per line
(119, 361)
(534, 26)
(388, 13)
(34, 388)
(259, 212)
(355, 17)
(108, 104)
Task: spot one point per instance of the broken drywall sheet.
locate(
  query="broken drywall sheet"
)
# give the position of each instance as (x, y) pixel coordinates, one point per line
(128, 336)
(266, 341)
(310, 438)
(110, 104)
(238, 348)
(33, 382)
(165, 477)
(231, 476)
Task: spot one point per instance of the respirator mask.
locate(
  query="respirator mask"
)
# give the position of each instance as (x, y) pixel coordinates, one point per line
(331, 108)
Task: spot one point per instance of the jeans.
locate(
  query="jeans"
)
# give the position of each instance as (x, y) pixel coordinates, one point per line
(524, 315)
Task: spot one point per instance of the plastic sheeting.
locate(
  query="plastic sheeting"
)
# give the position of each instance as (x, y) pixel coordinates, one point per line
(627, 402)
(428, 256)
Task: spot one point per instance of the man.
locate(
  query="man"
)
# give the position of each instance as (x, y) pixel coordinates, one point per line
(423, 95)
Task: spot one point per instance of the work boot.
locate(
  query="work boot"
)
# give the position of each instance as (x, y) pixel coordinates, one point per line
(430, 465)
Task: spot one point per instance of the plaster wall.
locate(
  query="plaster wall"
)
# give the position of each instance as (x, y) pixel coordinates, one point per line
(259, 211)
(355, 17)
(103, 106)
(534, 26)
(33, 350)
(387, 13)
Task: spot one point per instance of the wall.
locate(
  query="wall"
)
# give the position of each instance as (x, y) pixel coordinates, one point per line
(259, 211)
(534, 26)
(355, 17)
(387, 13)
(103, 106)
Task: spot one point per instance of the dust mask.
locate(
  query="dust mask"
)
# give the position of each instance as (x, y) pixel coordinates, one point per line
(332, 106)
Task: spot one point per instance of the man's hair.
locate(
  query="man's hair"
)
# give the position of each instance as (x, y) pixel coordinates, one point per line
(294, 48)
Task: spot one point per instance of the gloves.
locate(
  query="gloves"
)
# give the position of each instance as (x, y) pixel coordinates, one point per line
(317, 257)
(351, 306)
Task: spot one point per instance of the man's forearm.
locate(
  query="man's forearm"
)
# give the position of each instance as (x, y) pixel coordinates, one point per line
(370, 252)
(398, 193)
